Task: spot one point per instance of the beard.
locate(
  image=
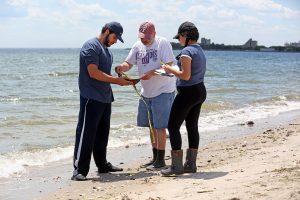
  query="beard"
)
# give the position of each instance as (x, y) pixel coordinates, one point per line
(106, 42)
(146, 43)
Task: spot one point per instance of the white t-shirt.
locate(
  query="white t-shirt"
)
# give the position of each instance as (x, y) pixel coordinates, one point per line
(147, 58)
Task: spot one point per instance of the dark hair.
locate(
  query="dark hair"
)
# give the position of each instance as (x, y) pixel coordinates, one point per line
(192, 34)
(104, 28)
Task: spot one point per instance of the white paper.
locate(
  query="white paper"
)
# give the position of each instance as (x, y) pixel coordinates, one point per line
(162, 72)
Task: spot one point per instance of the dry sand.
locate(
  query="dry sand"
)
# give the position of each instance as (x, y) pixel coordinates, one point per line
(261, 166)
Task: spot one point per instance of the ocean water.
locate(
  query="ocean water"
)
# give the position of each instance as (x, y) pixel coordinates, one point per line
(39, 100)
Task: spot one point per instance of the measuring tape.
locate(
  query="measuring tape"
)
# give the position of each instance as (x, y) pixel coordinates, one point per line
(149, 116)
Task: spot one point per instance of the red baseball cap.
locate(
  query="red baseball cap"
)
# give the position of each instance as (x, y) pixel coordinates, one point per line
(146, 30)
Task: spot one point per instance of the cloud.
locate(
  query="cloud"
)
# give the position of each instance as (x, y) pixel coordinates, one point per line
(65, 11)
(66, 22)
(22, 3)
(169, 10)
(262, 6)
(86, 9)
(223, 15)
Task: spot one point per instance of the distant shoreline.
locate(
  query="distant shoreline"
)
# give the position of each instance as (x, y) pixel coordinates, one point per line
(176, 46)
(223, 47)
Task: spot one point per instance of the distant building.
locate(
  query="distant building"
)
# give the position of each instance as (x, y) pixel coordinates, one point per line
(292, 44)
(250, 44)
(205, 41)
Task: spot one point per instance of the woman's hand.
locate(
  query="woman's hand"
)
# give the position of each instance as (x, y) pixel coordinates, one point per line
(168, 69)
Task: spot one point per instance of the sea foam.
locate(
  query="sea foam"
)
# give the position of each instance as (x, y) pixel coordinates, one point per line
(15, 163)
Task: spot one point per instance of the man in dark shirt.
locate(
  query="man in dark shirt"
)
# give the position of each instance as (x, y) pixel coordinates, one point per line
(96, 96)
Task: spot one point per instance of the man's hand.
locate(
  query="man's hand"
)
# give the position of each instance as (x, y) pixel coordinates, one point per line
(122, 81)
(119, 69)
(124, 67)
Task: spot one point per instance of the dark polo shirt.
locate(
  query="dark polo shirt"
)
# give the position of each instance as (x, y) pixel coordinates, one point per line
(92, 52)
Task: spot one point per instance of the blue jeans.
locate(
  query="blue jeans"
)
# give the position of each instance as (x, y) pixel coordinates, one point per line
(159, 108)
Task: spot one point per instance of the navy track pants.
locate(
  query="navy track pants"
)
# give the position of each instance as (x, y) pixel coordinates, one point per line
(92, 134)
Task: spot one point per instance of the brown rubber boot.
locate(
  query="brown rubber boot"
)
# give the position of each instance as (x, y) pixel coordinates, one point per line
(190, 162)
(176, 167)
(153, 159)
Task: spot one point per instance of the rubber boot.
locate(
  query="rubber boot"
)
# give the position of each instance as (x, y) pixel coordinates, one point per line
(153, 158)
(190, 162)
(159, 162)
(176, 167)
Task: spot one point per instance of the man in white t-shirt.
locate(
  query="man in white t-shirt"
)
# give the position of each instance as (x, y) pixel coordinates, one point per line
(157, 91)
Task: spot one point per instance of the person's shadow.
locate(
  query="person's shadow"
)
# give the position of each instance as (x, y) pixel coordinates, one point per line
(203, 175)
(114, 177)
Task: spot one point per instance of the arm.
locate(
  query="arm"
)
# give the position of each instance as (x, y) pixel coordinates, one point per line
(185, 72)
(165, 55)
(99, 75)
(129, 61)
(124, 67)
(152, 73)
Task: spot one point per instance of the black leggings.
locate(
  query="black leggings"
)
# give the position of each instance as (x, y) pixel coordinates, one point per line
(186, 107)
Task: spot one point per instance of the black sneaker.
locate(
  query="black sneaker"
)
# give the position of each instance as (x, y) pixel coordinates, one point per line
(108, 167)
(78, 177)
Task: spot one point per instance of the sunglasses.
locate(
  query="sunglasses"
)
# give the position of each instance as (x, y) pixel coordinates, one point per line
(178, 56)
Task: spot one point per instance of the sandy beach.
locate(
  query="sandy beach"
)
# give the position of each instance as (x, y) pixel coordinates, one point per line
(265, 165)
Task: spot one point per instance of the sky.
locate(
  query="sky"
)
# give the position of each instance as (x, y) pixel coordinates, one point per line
(69, 23)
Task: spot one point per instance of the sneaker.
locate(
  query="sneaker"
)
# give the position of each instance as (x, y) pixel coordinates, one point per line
(78, 177)
(108, 167)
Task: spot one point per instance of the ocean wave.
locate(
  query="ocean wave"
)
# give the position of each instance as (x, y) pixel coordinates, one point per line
(10, 99)
(224, 118)
(277, 100)
(56, 74)
(216, 106)
(19, 161)
(37, 99)
(36, 120)
(15, 163)
(286, 98)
